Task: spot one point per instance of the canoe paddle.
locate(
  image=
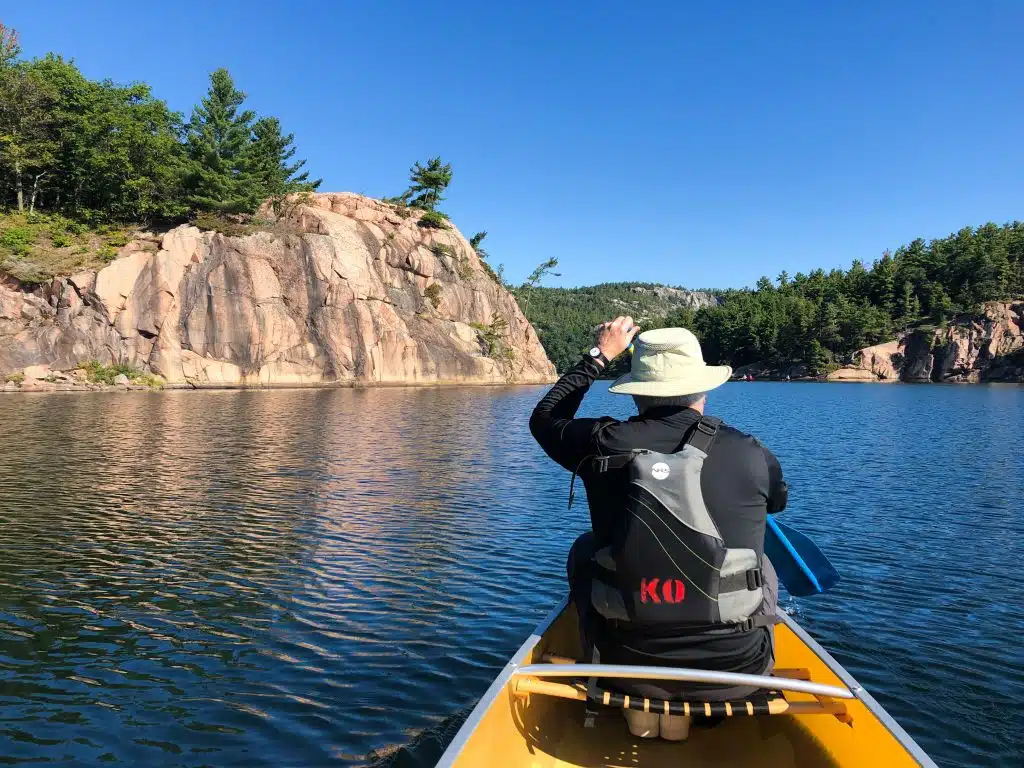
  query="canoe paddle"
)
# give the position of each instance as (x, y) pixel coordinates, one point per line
(801, 566)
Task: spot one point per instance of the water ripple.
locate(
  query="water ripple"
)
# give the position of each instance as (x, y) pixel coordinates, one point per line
(334, 576)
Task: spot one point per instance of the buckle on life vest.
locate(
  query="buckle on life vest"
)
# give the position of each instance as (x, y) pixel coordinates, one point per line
(747, 625)
(706, 428)
(755, 579)
(756, 621)
(599, 464)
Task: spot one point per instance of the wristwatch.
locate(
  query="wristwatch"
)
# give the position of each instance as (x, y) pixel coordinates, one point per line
(597, 354)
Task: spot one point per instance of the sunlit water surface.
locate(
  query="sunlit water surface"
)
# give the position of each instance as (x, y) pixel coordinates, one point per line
(334, 576)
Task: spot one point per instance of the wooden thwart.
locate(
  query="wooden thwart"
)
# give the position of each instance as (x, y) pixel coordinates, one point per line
(792, 674)
(525, 686)
(551, 658)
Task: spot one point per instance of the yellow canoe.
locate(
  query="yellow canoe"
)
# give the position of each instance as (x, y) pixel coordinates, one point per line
(533, 714)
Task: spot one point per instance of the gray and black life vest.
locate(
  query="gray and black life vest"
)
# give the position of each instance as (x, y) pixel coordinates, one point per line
(668, 566)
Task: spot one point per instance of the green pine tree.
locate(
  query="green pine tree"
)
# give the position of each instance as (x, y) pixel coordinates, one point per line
(543, 269)
(474, 243)
(940, 305)
(273, 176)
(817, 358)
(908, 307)
(218, 140)
(428, 182)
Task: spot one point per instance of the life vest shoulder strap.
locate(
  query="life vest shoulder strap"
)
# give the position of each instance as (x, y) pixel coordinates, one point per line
(703, 433)
(701, 436)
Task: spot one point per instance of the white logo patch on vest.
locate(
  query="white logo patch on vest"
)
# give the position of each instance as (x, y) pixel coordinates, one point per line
(660, 470)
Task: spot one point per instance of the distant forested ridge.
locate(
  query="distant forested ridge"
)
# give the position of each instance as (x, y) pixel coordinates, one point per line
(564, 318)
(818, 319)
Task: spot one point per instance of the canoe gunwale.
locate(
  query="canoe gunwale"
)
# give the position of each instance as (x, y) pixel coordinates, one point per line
(622, 672)
(510, 670)
(497, 687)
(876, 709)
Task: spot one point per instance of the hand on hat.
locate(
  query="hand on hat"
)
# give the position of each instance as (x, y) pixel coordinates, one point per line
(615, 336)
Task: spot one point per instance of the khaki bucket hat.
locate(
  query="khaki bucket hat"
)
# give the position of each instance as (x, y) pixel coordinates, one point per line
(667, 362)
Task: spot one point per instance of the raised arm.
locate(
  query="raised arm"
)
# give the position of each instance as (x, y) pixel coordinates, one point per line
(566, 439)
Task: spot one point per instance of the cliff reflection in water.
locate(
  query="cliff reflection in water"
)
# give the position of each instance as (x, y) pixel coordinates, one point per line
(232, 577)
(308, 577)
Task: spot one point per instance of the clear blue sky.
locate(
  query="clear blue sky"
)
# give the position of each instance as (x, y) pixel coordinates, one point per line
(692, 143)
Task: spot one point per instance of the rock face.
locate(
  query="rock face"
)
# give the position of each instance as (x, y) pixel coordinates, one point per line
(344, 289)
(985, 347)
(972, 348)
(852, 374)
(679, 297)
(878, 362)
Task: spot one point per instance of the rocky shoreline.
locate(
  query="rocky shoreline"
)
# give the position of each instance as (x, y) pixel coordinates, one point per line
(39, 378)
(982, 348)
(342, 290)
(77, 380)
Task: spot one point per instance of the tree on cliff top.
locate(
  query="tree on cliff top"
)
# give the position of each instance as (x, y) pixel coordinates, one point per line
(474, 243)
(27, 125)
(269, 155)
(235, 161)
(217, 142)
(497, 274)
(543, 269)
(428, 182)
(10, 47)
(97, 151)
(119, 155)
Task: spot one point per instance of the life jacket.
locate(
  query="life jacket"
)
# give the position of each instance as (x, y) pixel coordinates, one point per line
(668, 569)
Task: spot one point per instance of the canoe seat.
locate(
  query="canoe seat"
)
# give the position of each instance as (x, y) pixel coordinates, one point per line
(771, 700)
(760, 704)
(767, 703)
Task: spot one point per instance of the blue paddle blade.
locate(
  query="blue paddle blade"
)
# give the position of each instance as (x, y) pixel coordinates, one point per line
(801, 566)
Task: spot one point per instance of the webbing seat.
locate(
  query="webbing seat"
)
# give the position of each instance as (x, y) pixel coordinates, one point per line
(771, 700)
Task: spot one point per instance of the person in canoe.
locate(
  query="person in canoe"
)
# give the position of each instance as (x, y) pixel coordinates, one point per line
(673, 571)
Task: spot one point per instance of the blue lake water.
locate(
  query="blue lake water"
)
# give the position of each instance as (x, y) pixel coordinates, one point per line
(334, 576)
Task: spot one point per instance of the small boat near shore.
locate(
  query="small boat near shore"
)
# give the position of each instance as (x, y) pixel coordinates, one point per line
(811, 713)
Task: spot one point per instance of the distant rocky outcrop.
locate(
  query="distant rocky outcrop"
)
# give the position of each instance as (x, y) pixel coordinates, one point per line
(678, 298)
(988, 346)
(881, 362)
(343, 289)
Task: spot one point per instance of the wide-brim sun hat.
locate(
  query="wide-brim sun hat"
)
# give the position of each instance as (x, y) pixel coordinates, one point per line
(667, 362)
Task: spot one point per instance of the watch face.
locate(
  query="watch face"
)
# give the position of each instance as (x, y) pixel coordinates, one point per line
(594, 352)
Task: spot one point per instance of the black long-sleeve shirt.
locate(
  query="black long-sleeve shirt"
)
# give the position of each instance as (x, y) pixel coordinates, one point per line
(741, 480)
(741, 483)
